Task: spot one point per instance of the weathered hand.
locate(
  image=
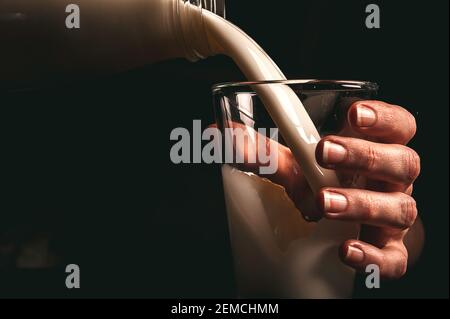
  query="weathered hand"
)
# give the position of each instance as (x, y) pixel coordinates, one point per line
(376, 171)
(372, 145)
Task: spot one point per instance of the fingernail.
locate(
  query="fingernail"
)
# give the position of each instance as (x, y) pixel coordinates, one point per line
(334, 202)
(354, 255)
(365, 116)
(333, 153)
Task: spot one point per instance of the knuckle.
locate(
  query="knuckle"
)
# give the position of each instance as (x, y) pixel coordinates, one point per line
(411, 161)
(371, 158)
(409, 128)
(412, 126)
(408, 211)
(395, 263)
(401, 267)
(369, 211)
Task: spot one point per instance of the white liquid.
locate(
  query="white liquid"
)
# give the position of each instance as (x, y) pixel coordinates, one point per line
(281, 102)
(276, 252)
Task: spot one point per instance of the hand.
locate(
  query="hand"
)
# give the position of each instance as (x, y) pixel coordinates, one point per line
(372, 145)
(370, 148)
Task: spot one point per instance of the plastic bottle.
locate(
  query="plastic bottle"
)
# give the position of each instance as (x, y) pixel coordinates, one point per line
(40, 39)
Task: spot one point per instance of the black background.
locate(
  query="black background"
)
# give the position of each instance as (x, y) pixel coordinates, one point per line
(88, 161)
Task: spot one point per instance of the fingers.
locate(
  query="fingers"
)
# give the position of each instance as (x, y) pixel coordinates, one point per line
(392, 163)
(250, 147)
(392, 259)
(389, 123)
(395, 210)
(389, 215)
(288, 173)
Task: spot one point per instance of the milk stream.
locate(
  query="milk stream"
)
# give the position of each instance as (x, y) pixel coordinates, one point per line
(276, 252)
(281, 102)
(116, 35)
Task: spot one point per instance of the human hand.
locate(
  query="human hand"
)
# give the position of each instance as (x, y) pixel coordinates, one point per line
(376, 171)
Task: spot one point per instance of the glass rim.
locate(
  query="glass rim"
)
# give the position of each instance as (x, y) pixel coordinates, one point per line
(343, 85)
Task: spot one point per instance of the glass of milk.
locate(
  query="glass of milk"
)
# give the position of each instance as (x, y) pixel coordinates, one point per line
(277, 251)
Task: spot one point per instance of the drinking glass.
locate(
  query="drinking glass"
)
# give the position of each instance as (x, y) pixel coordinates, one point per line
(277, 251)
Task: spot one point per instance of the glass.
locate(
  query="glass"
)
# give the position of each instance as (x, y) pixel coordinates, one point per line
(277, 252)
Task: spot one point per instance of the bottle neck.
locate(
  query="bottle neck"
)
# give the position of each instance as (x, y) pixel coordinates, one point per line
(190, 29)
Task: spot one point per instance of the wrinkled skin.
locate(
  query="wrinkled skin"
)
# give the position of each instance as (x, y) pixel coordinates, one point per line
(377, 171)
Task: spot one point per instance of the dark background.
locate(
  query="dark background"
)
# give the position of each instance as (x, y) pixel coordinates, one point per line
(86, 164)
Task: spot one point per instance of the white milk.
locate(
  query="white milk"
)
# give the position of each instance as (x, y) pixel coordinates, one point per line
(283, 105)
(276, 252)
